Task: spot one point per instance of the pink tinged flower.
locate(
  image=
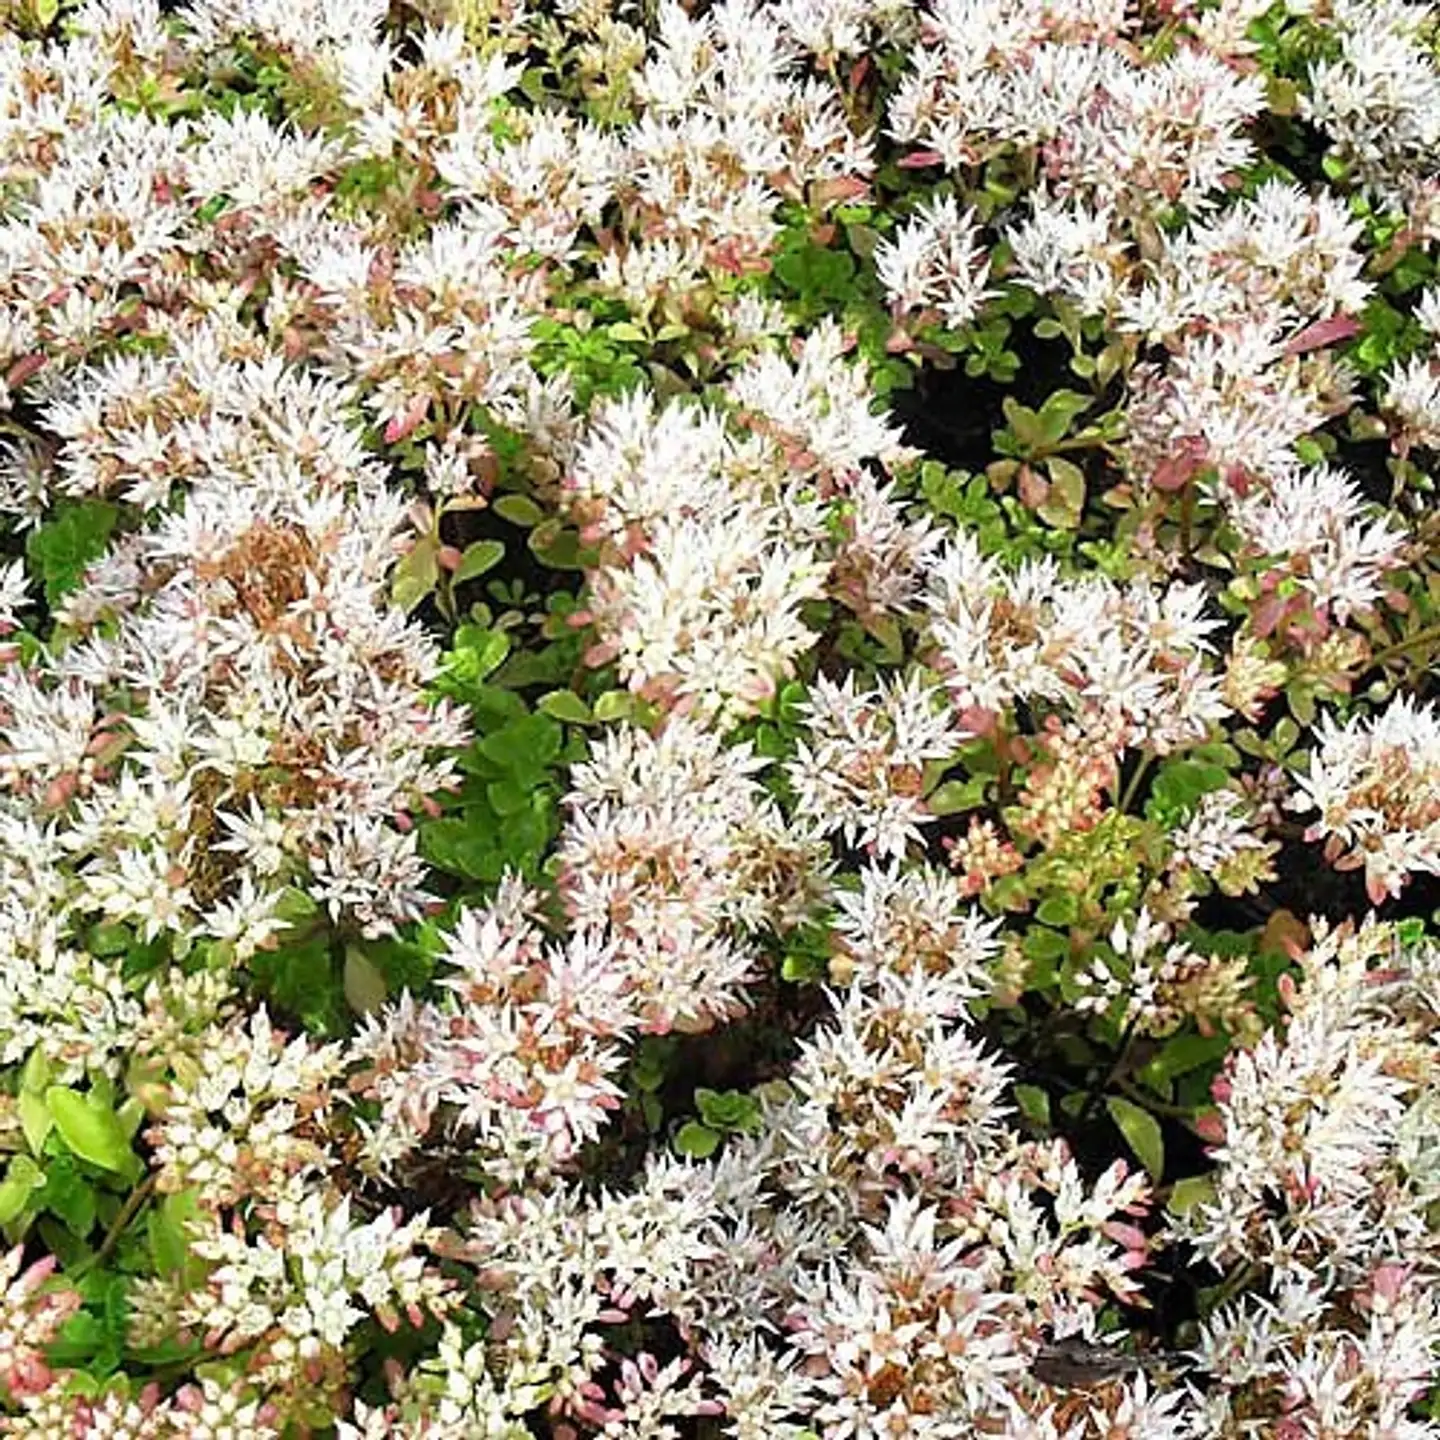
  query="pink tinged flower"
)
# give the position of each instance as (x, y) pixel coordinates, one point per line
(1210, 1127)
(1387, 1284)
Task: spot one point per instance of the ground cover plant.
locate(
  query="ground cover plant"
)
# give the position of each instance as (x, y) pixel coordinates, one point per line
(719, 719)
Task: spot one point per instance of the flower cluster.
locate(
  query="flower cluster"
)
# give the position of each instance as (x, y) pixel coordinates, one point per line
(1133, 664)
(655, 662)
(1326, 1176)
(1375, 787)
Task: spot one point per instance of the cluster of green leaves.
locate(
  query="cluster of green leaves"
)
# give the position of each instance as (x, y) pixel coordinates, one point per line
(505, 814)
(320, 977)
(74, 537)
(823, 269)
(77, 1184)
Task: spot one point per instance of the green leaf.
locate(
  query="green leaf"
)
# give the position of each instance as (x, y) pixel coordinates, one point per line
(1186, 1194)
(73, 1254)
(1034, 1105)
(1181, 1054)
(800, 968)
(507, 797)
(519, 510)
(91, 1129)
(524, 745)
(1042, 944)
(106, 939)
(22, 1178)
(35, 1077)
(1065, 502)
(131, 1114)
(565, 705)
(1142, 1133)
(165, 1229)
(1060, 911)
(482, 556)
(727, 1109)
(650, 1065)
(364, 983)
(558, 547)
(35, 1119)
(1024, 424)
(1178, 786)
(697, 1141)
(416, 575)
(305, 980)
(295, 905)
(70, 1196)
(1058, 413)
(477, 653)
(461, 848)
(1301, 701)
(956, 796)
(614, 705)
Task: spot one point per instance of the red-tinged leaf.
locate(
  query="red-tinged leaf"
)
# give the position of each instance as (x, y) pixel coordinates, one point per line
(408, 421)
(1323, 333)
(920, 159)
(23, 369)
(1176, 471)
(825, 193)
(1032, 487)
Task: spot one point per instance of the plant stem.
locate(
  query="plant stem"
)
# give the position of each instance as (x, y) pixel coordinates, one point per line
(1148, 1101)
(1132, 786)
(1417, 641)
(1243, 1273)
(136, 1198)
(1127, 1041)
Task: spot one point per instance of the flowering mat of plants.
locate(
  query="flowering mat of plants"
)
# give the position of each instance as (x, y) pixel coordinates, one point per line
(718, 720)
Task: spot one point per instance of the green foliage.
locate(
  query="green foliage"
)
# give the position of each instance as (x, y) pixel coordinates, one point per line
(505, 814)
(302, 978)
(722, 1113)
(806, 957)
(60, 550)
(598, 361)
(90, 1127)
(820, 279)
(1141, 1132)
(1387, 335)
(1178, 787)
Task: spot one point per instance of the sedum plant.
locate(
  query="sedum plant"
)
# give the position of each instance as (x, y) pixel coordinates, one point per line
(716, 719)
